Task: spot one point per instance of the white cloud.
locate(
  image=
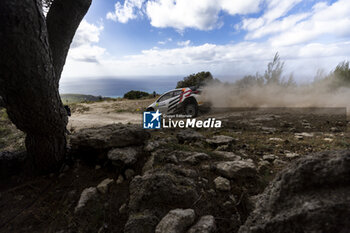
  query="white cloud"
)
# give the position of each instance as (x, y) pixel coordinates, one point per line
(83, 47)
(279, 8)
(86, 33)
(236, 59)
(307, 41)
(86, 53)
(274, 10)
(182, 14)
(240, 7)
(165, 41)
(184, 43)
(123, 13)
(276, 26)
(332, 20)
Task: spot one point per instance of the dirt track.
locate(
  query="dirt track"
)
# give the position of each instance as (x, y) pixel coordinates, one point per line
(107, 112)
(86, 120)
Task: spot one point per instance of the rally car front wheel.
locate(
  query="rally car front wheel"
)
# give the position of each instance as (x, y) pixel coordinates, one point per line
(191, 108)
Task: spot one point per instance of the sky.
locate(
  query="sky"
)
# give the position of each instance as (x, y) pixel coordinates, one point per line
(229, 38)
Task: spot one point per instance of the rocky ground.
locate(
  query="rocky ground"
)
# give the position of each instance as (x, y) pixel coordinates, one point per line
(121, 178)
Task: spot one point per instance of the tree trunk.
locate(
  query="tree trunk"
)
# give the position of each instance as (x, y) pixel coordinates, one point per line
(28, 81)
(63, 20)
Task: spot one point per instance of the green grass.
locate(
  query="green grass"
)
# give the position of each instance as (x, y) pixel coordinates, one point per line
(78, 108)
(11, 138)
(3, 115)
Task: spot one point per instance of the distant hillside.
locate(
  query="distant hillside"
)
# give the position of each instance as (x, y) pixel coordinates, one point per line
(78, 98)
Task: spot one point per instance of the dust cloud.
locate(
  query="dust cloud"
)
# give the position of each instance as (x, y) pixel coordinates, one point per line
(313, 95)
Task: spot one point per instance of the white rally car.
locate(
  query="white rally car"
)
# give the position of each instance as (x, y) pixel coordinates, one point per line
(182, 100)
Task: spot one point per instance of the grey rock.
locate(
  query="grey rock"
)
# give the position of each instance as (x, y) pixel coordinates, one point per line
(151, 146)
(148, 166)
(164, 156)
(263, 166)
(205, 167)
(206, 224)
(86, 195)
(141, 222)
(228, 155)
(220, 140)
(196, 158)
(269, 158)
(129, 173)
(103, 187)
(212, 192)
(268, 130)
(222, 184)
(328, 139)
(223, 148)
(127, 155)
(109, 136)
(266, 118)
(123, 209)
(335, 130)
(304, 134)
(236, 169)
(188, 135)
(276, 139)
(228, 204)
(292, 155)
(120, 179)
(161, 189)
(311, 195)
(176, 221)
(278, 162)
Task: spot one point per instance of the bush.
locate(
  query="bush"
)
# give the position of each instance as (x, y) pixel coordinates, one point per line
(249, 81)
(132, 95)
(198, 80)
(273, 74)
(342, 73)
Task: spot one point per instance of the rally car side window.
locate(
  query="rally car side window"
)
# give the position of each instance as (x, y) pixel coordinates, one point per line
(176, 93)
(165, 96)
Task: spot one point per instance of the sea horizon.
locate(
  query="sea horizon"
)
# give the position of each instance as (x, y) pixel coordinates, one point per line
(117, 86)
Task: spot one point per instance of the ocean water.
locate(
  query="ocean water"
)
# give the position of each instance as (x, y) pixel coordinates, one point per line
(118, 86)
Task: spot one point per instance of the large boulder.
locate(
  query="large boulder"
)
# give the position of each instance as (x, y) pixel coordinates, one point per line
(109, 136)
(155, 192)
(312, 195)
(176, 221)
(161, 189)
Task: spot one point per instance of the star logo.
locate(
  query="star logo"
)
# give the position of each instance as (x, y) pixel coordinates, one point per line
(156, 115)
(151, 120)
